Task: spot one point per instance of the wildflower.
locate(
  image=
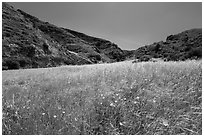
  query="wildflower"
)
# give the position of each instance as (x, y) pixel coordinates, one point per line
(111, 104)
(135, 102)
(63, 112)
(165, 122)
(54, 116)
(121, 123)
(43, 114)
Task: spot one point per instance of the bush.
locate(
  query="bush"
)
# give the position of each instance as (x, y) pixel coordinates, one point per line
(145, 58)
(157, 47)
(94, 57)
(16, 63)
(24, 62)
(28, 50)
(4, 68)
(11, 64)
(196, 52)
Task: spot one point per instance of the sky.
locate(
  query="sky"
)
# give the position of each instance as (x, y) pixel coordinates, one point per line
(130, 25)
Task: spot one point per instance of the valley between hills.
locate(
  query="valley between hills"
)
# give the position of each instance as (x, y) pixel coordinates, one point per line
(28, 42)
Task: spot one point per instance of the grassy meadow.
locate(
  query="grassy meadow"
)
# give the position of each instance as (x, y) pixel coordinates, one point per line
(147, 98)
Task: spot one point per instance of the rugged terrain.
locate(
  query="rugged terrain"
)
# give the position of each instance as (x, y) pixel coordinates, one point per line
(182, 46)
(123, 98)
(28, 42)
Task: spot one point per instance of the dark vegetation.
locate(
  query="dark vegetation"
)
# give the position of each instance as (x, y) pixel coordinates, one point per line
(162, 98)
(28, 42)
(38, 43)
(179, 47)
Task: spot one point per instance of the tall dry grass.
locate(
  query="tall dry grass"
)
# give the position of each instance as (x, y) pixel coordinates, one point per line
(119, 98)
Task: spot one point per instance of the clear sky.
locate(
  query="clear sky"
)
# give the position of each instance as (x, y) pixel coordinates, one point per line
(129, 25)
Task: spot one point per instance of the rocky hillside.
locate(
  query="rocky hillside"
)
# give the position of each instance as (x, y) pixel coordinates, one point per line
(28, 42)
(182, 46)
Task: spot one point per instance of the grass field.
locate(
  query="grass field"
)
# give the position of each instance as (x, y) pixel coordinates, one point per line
(160, 98)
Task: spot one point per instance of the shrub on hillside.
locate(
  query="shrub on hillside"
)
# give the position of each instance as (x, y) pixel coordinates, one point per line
(11, 64)
(145, 58)
(196, 52)
(94, 57)
(157, 47)
(24, 62)
(28, 50)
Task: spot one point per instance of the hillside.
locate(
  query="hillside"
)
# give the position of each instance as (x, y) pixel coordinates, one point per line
(28, 42)
(182, 46)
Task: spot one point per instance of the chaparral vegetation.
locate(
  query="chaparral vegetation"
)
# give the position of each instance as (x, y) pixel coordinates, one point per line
(145, 98)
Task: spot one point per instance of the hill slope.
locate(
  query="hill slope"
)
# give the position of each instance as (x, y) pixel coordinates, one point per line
(182, 46)
(28, 42)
